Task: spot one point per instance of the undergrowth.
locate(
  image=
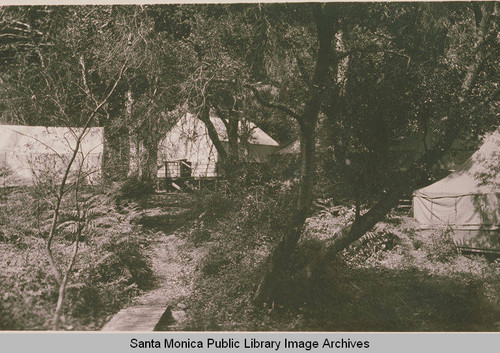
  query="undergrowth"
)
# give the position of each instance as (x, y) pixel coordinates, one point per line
(111, 267)
(242, 226)
(396, 278)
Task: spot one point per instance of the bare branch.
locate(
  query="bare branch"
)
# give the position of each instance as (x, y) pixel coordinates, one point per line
(61, 189)
(84, 79)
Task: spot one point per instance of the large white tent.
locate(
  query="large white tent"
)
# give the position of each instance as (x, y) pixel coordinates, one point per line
(28, 153)
(467, 201)
(188, 140)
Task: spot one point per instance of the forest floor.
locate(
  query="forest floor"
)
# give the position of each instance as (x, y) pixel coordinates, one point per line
(396, 278)
(136, 254)
(173, 258)
(203, 255)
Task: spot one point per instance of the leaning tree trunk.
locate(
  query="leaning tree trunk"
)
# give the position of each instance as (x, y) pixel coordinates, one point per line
(269, 288)
(212, 132)
(204, 116)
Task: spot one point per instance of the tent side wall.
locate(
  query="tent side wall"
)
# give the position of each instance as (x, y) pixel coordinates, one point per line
(28, 154)
(472, 220)
(470, 211)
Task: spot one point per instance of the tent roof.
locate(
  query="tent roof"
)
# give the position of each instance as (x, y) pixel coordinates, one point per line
(51, 140)
(257, 135)
(292, 148)
(480, 174)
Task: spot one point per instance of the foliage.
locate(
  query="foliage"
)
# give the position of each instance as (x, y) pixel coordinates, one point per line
(440, 248)
(128, 251)
(240, 239)
(110, 269)
(395, 90)
(132, 187)
(401, 81)
(5, 172)
(27, 291)
(26, 208)
(259, 210)
(119, 265)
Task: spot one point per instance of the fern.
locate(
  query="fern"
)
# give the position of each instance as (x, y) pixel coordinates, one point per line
(68, 227)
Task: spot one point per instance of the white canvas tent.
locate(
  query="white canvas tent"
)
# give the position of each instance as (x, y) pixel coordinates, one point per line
(467, 201)
(188, 140)
(31, 152)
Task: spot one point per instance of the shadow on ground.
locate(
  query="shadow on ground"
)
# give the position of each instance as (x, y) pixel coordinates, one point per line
(393, 300)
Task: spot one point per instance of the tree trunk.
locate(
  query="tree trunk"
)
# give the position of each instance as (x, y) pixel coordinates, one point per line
(150, 161)
(231, 165)
(144, 157)
(59, 306)
(232, 137)
(364, 223)
(269, 288)
(231, 123)
(212, 133)
(116, 153)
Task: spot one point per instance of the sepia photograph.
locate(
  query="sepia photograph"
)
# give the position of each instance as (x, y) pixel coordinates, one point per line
(250, 167)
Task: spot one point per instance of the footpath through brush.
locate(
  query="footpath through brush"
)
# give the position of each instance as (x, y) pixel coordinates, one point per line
(174, 260)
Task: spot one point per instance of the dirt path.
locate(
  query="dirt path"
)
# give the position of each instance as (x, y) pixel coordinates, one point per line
(173, 263)
(174, 260)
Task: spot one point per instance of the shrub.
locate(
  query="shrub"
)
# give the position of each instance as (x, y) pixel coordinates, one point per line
(440, 247)
(263, 213)
(127, 250)
(199, 233)
(212, 206)
(111, 271)
(257, 211)
(244, 173)
(27, 293)
(18, 216)
(371, 245)
(243, 225)
(132, 187)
